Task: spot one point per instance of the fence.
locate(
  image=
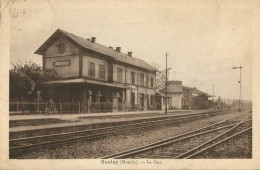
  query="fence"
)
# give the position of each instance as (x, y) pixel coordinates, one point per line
(74, 107)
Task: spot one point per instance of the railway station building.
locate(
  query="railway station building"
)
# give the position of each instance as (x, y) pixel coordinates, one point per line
(100, 78)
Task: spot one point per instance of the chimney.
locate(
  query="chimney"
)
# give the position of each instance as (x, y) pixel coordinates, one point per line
(118, 49)
(130, 54)
(93, 39)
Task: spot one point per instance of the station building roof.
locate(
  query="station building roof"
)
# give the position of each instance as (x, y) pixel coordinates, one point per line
(93, 46)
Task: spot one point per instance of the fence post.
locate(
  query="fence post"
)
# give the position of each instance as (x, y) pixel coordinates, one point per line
(46, 104)
(38, 101)
(79, 107)
(60, 106)
(22, 105)
(38, 106)
(89, 106)
(17, 106)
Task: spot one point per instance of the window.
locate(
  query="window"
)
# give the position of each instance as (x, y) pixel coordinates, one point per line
(119, 74)
(151, 100)
(91, 70)
(101, 73)
(151, 82)
(120, 96)
(147, 80)
(133, 77)
(142, 79)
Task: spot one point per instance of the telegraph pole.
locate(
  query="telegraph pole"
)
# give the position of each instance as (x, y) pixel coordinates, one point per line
(234, 103)
(213, 97)
(240, 67)
(228, 102)
(166, 87)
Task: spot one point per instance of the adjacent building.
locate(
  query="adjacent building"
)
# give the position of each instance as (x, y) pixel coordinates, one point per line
(186, 98)
(194, 99)
(174, 89)
(100, 78)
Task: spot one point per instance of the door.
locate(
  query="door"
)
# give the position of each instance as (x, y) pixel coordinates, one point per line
(142, 100)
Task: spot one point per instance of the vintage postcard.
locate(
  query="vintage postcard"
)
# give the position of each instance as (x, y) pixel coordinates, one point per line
(128, 84)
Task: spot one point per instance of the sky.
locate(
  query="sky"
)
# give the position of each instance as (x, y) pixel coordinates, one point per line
(204, 39)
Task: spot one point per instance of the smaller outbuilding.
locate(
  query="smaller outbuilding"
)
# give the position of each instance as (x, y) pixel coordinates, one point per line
(174, 92)
(185, 98)
(194, 99)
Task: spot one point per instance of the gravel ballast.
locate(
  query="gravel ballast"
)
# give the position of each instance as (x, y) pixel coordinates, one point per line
(237, 148)
(119, 143)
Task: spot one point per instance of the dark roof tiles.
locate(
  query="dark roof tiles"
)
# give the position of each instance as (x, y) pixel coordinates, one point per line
(106, 51)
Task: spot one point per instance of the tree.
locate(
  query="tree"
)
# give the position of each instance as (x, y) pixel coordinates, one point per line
(160, 76)
(27, 78)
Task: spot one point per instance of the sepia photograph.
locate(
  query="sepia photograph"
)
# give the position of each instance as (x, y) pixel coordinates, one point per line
(121, 84)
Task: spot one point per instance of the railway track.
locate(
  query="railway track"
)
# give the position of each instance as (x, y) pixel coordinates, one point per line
(20, 145)
(36, 122)
(175, 147)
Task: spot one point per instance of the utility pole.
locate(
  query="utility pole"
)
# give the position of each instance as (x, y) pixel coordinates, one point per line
(213, 97)
(240, 67)
(223, 103)
(166, 100)
(228, 102)
(233, 103)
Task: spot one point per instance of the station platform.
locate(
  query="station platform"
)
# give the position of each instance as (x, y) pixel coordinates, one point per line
(92, 115)
(63, 123)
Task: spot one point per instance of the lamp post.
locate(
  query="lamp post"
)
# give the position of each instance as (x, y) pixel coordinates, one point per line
(240, 67)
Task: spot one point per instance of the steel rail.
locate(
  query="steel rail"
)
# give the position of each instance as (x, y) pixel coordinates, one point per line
(218, 143)
(11, 141)
(164, 142)
(146, 149)
(63, 141)
(189, 152)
